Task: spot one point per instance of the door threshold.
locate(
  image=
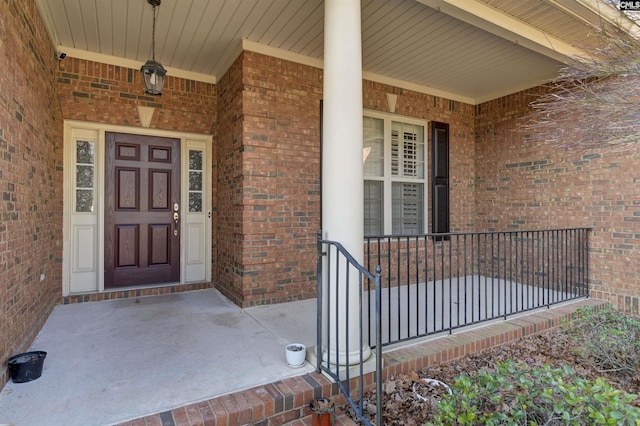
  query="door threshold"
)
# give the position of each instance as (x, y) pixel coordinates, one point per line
(129, 292)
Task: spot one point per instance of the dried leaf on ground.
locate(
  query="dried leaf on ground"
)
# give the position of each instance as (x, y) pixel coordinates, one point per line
(401, 406)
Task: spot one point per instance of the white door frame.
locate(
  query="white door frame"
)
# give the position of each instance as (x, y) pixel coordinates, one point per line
(83, 231)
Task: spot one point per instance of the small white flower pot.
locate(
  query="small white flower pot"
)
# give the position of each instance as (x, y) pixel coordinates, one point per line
(296, 354)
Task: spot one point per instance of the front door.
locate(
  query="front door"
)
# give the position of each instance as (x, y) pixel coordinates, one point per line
(142, 210)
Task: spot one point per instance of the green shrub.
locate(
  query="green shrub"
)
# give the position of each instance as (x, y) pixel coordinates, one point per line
(516, 394)
(609, 341)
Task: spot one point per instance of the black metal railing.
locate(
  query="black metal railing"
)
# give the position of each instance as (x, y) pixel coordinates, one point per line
(437, 283)
(341, 279)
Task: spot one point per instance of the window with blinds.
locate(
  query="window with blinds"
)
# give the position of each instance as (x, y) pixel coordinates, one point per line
(407, 207)
(394, 176)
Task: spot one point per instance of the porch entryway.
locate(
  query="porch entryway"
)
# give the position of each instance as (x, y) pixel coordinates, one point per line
(194, 357)
(113, 361)
(137, 208)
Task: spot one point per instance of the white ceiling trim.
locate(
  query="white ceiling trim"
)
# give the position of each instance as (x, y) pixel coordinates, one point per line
(265, 50)
(129, 63)
(252, 46)
(416, 87)
(497, 23)
(48, 22)
(598, 11)
(319, 63)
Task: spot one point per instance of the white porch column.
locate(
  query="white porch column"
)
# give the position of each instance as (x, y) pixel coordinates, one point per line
(342, 180)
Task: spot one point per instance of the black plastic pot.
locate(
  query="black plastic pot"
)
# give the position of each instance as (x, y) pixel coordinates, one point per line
(27, 366)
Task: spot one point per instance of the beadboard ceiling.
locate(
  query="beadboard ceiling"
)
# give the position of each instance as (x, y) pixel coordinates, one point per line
(468, 50)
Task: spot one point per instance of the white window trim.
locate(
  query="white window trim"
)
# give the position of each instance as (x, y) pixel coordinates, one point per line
(387, 178)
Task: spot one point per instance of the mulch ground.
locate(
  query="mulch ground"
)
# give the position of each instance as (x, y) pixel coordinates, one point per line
(408, 400)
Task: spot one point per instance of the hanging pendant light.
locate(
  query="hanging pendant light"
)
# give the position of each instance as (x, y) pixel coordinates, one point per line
(153, 73)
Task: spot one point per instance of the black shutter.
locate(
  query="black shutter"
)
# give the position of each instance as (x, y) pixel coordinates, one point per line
(440, 179)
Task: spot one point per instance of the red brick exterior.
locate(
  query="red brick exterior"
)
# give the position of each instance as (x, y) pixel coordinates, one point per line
(269, 173)
(268, 180)
(264, 115)
(30, 179)
(91, 91)
(228, 181)
(524, 186)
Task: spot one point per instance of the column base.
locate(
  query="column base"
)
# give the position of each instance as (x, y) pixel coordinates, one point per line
(368, 366)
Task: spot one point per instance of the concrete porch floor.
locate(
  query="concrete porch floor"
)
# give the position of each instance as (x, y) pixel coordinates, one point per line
(195, 358)
(113, 361)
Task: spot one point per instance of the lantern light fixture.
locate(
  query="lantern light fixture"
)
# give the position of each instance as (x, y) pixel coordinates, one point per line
(153, 73)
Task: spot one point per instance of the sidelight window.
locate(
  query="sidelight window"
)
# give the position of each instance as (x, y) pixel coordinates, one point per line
(85, 177)
(195, 180)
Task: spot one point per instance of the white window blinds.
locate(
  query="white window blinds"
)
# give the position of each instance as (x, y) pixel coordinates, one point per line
(394, 176)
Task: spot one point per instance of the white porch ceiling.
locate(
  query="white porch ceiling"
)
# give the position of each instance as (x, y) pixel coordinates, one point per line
(468, 50)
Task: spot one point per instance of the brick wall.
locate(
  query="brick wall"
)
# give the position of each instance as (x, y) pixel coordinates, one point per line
(268, 179)
(524, 186)
(229, 180)
(30, 179)
(269, 173)
(97, 92)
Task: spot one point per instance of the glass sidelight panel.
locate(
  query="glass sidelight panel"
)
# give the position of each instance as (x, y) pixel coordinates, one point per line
(195, 180)
(85, 176)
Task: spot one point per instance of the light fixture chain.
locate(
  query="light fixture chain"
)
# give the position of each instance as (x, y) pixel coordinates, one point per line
(153, 35)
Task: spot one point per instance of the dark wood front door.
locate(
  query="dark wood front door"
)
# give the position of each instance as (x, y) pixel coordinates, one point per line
(142, 211)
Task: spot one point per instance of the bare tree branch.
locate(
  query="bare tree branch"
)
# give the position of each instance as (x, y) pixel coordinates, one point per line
(595, 100)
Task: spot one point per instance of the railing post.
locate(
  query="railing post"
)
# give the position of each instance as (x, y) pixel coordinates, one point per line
(586, 252)
(338, 258)
(319, 313)
(378, 347)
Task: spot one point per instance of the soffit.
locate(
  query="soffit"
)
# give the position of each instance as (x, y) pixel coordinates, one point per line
(567, 20)
(469, 50)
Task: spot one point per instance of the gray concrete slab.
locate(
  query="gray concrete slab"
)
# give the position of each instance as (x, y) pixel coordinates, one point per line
(108, 362)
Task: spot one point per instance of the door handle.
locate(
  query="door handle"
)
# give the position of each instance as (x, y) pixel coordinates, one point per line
(176, 218)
